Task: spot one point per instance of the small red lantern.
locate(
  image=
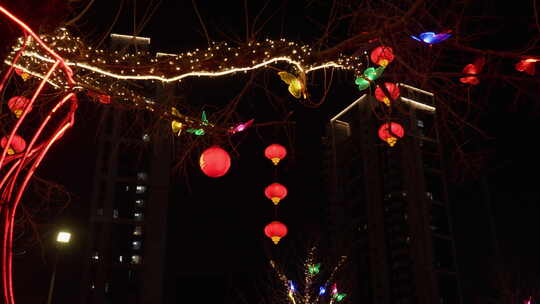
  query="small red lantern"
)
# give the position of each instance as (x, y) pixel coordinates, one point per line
(391, 88)
(215, 162)
(18, 144)
(17, 104)
(275, 230)
(382, 55)
(390, 132)
(275, 153)
(275, 192)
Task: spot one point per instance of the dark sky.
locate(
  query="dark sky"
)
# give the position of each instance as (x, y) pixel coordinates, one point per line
(215, 235)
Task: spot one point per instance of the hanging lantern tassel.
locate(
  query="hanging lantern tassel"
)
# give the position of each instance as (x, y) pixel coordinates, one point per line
(391, 132)
(176, 127)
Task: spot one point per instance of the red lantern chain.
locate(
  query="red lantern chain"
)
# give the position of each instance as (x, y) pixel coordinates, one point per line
(275, 192)
(392, 89)
(275, 152)
(275, 231)
(17, 104)
(382, 55)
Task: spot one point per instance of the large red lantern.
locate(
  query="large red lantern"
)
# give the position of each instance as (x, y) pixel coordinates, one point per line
(215, 162)
(17, 104)
(275, 192)
(391, 88)
(18, 144)
(382, 55)
(275, 230)
(275, 153)
(390, 132)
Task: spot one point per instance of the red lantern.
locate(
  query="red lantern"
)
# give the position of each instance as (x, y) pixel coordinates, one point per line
(275, 153)
(17, 104)
(275, 192)
(215, 162)
(382, 55)
(18, 144)
(275, 230)
(390, 132)
(391, 88)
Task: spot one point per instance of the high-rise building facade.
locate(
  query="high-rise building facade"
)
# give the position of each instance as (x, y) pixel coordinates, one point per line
(128, 215)
(393, 201)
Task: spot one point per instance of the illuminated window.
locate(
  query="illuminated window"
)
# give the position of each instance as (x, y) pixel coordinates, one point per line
(115, 213)
(139, 202)
(136, 245)
(136, 259)
(120, 259)
(138, 216)
(137, 230)
(140, 189)
(95, 256)
(420, 123)
(146, 137)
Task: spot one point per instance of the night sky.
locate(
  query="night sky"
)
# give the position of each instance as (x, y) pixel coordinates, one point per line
(215, 235)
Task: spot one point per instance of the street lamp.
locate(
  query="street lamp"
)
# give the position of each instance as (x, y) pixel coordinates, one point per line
(62, 239)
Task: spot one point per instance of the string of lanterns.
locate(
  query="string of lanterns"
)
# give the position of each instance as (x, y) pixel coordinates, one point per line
(275, 192)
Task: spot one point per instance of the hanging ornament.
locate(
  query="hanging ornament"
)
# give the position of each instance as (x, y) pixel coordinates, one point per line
(430, 38)
(391, 88)
(473, 69)
(17, 104)
(215, 162)
(370, 74)
(382, 55)
(275, 192)
(297, 85)
(391, 132)
(275, 153)
(18, 144)
(199, 131)
(275, 230)
(176, 127)
(23, 74)
(527, 65)
(314, 269)
(241, 127)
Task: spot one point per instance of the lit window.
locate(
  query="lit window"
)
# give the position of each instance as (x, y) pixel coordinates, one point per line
(140, 189)
(142, 176)
(146, 137)
(120, 259)
(420, 123)
(430, 195)
(137, 230)
(139, 202)
(126, 188)
(136, 245)
(95, 256)
(115, 213)
(138, 216)
(136, 259)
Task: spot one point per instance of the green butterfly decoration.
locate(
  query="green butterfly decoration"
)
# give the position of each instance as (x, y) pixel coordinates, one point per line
(314, 269)
(199, 131)
(339, 296)
(369, 75)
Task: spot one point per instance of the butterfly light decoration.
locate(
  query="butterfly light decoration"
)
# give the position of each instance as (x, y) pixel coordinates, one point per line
(430, 38)
(370, 74)
(199, 131)
(527, 65)
(473, 69)
(297, 84)
(241, 127)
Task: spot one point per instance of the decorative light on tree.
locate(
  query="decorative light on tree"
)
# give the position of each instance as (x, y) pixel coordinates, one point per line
(275, 192)
(312, 288)
(275, 153)
(391, 132)
(215, 162)
(430, 38)
(275, 231)
(473, 69)
(392, 89)
(527, 65)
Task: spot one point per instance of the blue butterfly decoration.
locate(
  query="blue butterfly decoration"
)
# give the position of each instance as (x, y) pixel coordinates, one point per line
(431, 38)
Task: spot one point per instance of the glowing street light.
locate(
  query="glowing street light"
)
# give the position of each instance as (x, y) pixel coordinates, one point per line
(63, 237)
